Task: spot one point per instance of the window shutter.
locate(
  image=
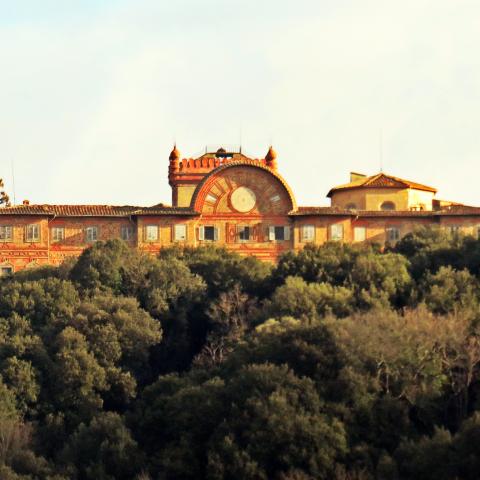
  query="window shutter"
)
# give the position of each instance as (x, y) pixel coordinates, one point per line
(230, 233)
(286, 233)
(271, 233)
(255, 233)
(215, 233)
(201, 233)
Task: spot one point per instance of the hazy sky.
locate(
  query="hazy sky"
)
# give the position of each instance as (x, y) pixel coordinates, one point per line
(93, 92)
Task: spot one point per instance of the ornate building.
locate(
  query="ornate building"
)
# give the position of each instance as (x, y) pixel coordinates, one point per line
(227, 198)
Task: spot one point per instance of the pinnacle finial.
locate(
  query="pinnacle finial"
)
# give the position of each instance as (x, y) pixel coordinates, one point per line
(271, 158)
(175, 153)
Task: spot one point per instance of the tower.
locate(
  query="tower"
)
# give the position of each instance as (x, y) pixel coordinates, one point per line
(271, 158)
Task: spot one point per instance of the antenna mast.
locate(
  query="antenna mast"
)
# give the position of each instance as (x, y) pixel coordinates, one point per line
(380, 149)
(13, 182)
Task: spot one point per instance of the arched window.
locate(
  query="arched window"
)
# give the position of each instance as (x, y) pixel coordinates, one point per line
(351, 206)
(5, 269)
(387, 206)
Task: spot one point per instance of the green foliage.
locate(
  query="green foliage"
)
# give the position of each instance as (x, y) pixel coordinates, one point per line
(102, 450)
(298, 299)
(222, 269)
(275, 426)
(448, 289)
(341, 362)
(428, 249)
(104, 265)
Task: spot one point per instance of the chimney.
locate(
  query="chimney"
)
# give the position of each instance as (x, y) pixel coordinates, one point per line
(354, 176)
(26, 202)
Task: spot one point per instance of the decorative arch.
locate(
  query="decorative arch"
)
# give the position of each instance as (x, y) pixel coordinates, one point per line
(203, 188)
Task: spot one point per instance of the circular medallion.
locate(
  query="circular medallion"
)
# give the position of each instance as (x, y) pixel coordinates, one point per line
(243, 199)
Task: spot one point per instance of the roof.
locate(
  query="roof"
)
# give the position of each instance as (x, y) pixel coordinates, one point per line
(305, 211)
(166, 210)
(161, 209)
(381, 180)
(94, 210)
(457, 210)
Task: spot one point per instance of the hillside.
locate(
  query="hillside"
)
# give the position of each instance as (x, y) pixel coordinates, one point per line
(339, 362)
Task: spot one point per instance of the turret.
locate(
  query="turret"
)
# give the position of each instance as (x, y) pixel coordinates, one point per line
(174, 160)
(271, 158)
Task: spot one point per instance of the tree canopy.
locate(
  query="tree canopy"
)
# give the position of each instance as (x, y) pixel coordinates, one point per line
(339, 362)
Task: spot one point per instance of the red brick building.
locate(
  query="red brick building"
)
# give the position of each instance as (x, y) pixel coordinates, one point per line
(229, 199)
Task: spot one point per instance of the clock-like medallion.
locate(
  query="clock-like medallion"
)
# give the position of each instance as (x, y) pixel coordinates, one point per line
(243, 199)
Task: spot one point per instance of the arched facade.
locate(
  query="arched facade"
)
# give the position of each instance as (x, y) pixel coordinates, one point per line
(245, 206)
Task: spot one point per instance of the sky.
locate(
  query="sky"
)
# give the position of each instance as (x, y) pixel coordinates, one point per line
(93, 93)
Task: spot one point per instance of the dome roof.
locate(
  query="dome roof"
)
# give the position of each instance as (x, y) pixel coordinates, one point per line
(175, 153)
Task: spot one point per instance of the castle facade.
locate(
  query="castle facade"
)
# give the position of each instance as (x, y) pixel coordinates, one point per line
(229, 199)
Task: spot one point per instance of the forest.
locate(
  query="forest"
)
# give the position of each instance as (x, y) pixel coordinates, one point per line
(340, 362)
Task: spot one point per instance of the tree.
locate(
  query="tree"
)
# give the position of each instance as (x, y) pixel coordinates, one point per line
(230, 316)
(77, 378)
(174, 420)
(331, 263)
(221, 269)
(103, 265)
(380, 279)
(427, 249)
(4, 198)
(275, 427)
(47, 303)
(298, 299)
(449, 289)
(103, 449)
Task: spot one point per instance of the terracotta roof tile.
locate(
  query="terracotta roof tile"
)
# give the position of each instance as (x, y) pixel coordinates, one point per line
(449, 211)
(167, 210)
(94, 210)
(382, 180)
(320, 211)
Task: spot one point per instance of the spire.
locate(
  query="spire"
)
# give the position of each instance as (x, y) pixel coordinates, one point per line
(271, 158)
(174, 159)
(175, 153)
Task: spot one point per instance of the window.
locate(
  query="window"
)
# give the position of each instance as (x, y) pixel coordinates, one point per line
(6, 233)
(33, 233)
(126, 232)
(393, 234)
(336, 232)
(244, 233)
(180, 233)
(91, 234)
(211, 198)
(351, 206)
(151, 233)
(359, 234)
(208, 233)
(387, 206)
(5, 270)
(478, 232)
(454, 229)
(58, 234)
(308, 233)
(278, 233)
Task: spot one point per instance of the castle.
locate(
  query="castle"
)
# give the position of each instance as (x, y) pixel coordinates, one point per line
(226, 198)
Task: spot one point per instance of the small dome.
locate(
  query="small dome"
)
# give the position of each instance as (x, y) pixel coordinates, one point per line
(175, 153)
(271, 154)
